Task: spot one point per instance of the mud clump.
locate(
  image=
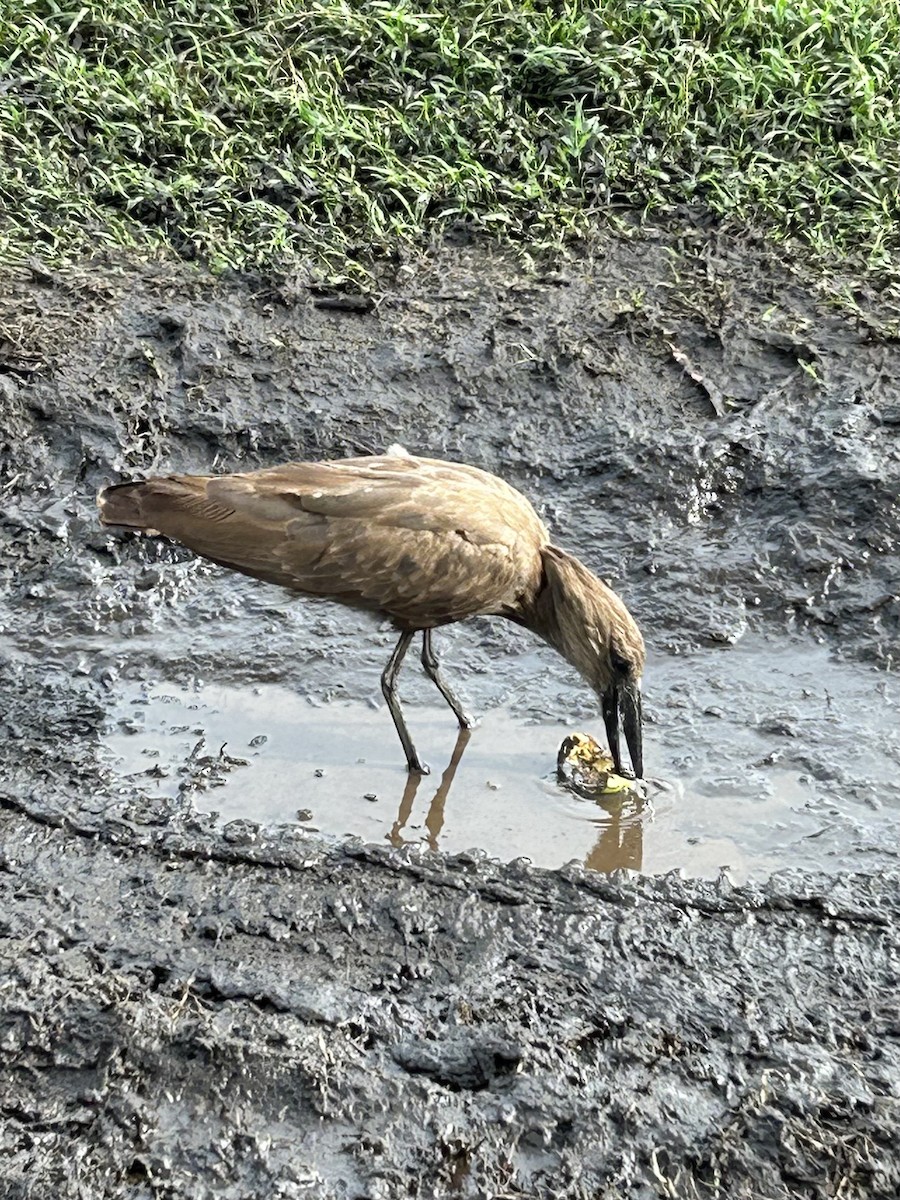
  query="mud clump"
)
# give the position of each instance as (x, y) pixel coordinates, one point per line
(192, 1008)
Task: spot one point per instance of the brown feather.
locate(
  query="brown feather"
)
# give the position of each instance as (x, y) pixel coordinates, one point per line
(585, 621)
(425, 541)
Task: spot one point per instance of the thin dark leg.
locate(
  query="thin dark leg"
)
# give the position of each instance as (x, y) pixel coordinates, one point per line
(433, 671)
(389, 687)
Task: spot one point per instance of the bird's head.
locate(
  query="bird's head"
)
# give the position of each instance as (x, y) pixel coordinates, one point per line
(592, 629)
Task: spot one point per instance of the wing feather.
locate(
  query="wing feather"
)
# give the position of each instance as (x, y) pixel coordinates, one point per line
(423, 540)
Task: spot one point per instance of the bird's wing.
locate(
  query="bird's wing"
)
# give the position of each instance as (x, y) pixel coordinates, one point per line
(424, 540)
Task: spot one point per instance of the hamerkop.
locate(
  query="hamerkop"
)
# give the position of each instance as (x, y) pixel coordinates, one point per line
(422, 541)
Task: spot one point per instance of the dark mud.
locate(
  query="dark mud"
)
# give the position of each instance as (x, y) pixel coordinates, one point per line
(358, 1024)
(208, 1007)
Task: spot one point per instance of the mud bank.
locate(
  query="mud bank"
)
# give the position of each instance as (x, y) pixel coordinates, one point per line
(366, 1023)
(205, 1005)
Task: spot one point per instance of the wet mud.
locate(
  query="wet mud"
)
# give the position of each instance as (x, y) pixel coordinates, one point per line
(210, 990)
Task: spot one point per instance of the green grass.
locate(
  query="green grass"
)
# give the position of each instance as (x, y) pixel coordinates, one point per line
(249, 134)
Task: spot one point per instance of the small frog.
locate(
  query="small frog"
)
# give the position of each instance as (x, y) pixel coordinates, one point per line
(587, 769)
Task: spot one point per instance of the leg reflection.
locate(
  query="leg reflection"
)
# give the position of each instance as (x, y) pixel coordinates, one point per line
(434, 821)
(403, 812)
(621, 840)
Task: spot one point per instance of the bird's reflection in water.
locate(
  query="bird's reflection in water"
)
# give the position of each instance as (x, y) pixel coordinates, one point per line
(619, 844)
(621, 840)
(434, 821)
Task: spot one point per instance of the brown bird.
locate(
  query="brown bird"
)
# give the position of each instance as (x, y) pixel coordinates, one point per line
(422, 541)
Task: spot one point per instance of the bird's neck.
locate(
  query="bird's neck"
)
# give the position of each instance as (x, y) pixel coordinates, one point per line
(569, 607)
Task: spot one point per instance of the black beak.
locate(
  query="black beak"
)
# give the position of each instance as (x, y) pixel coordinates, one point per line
(632, 723)
(629, 695)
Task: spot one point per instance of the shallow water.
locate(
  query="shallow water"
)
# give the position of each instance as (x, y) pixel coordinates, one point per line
(799, 769)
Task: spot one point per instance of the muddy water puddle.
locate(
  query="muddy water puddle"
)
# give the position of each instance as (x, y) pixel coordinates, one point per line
(341, 768)
(759, 758)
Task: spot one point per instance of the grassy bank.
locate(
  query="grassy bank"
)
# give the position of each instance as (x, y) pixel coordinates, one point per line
(245, 134)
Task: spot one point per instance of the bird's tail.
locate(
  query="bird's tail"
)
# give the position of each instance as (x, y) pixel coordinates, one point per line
(120, 504)
(146, 505)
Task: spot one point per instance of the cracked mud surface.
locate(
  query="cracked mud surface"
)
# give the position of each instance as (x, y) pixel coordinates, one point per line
(244, 1006)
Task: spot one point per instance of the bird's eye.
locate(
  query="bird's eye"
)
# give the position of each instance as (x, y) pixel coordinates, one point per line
(621, 665)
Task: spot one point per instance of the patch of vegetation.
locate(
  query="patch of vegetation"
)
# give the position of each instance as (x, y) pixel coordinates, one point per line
(246, 134)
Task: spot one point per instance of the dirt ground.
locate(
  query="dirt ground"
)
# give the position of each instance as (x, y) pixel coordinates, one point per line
(192, 1006)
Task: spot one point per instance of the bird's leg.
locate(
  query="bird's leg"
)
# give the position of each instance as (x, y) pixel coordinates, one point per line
(433, 671)
(389, 687)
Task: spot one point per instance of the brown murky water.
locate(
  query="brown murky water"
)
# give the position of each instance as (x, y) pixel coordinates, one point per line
(733, 782)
